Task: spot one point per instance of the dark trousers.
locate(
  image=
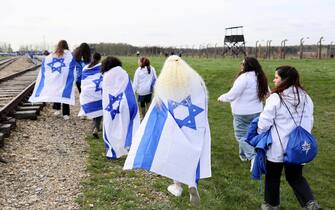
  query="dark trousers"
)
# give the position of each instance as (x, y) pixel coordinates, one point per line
(65, 108)
(78, 84)
(293, 174)
(97, 122)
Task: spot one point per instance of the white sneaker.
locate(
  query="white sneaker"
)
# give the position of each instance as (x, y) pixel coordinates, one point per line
(56, 113)
(243, 159)
(252, 164)
(175, 189)
(66, 117)
(194, 196)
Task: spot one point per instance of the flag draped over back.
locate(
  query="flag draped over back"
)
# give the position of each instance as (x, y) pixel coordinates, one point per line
(173, 139)
(91, 92)
(55, 80)
(120, 112)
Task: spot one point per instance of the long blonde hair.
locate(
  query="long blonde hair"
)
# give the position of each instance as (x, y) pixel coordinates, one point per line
(176, 79)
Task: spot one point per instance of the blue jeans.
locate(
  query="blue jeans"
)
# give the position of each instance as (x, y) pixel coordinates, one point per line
(241, 123)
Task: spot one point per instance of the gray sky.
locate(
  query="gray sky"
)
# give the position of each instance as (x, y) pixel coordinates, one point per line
(164, 23)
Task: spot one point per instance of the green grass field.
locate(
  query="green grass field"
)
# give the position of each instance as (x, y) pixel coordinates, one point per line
(3, 57)
(230, 187)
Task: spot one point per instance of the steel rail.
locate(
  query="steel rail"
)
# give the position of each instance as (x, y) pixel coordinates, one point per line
(7, 62)
(12, 104)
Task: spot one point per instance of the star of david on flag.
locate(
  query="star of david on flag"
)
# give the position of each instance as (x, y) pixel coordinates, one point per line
(56, 64)
(97, 83)
(193, 110)
(110, 108)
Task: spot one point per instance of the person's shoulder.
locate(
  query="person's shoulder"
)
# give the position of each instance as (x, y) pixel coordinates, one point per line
(244, 75)
(308, 98)
(242, 78)
(273, 98)
(250, 74)
(138, 69)
(122, 71)
(67, 53)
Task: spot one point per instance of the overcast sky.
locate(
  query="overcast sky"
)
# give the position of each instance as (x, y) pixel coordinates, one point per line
(164, 23)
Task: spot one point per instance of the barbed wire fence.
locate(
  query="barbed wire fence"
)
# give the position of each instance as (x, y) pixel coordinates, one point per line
(262, 50)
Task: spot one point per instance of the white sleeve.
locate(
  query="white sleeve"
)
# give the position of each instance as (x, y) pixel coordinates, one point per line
(238, 87)
(269, 113)
(311, 107)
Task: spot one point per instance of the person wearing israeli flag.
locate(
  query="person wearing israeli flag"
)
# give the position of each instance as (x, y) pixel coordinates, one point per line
(56, 79)
(91, 93)
(144, 81)
(120, 111)
(173, 139)
(287, 84)
(82, 56)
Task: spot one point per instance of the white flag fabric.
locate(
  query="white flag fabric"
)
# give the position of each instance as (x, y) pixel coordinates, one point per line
(173, 139)
(120, 112)
(55, 80)
(91, 92)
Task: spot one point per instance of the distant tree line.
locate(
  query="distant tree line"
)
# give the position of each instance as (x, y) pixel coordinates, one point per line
(5, 47)
(124, 49)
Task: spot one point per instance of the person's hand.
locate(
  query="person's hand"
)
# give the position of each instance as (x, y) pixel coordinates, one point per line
(220, 99)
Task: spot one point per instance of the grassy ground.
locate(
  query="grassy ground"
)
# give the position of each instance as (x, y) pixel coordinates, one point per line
(3, 57)
(230, 187)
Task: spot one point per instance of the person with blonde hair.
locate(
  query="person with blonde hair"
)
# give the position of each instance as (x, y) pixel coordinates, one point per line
(173, 139)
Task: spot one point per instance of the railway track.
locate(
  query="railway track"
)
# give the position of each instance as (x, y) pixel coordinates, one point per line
(6, 62)
(14, 92)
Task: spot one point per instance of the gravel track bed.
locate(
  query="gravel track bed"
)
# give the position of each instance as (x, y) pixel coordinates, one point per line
(47, 161)
(17, 66)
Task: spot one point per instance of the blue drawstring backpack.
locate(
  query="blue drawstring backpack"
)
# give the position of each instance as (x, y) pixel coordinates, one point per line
(301, 147)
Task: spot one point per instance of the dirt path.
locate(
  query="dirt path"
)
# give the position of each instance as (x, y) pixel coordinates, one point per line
(47, 161)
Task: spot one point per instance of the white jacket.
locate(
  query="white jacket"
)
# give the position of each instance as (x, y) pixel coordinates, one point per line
(143, 81)
(276, 111)
(243, 96)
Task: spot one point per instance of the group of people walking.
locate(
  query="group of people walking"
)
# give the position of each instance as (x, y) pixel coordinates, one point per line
(247, 96)
(173, 138)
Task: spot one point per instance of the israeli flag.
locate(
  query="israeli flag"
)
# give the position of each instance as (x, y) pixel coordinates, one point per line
(120, 112)
(91, 92)
(173, 139)
(55, 80)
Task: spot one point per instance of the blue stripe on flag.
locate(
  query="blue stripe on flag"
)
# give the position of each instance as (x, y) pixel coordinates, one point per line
(150, 139)
(90, 72)
(132, 105)
(92, 106)
(107, 146)
(41, 84)
(69, 82)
